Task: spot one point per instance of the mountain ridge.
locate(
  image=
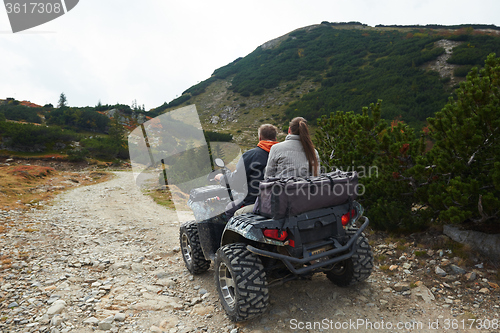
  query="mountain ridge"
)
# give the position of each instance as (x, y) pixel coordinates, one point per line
(322, 68)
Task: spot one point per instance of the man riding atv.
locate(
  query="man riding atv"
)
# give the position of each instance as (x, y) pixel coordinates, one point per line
(252, 164)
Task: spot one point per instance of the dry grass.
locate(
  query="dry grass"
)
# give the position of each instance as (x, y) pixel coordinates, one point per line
(162, 197)
(462, 251)
(31, 171)
(21, 185)
(17, 184)
(402, 247)
(419, 254)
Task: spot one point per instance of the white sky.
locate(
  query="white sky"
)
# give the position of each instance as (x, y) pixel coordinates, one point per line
(151, 51)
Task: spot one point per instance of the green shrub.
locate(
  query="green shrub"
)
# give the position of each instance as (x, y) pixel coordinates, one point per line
(21, 113)
(463, 167)
(77, 155)
(445, 79)
(218, 137)
(101, 148)
(462, 71)
(27, 137)
(79, 119)
(382, 154)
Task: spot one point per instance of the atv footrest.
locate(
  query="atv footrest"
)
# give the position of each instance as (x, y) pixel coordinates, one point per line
(289, 261)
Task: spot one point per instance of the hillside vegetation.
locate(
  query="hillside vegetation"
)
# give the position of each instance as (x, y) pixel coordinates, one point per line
(78, 133)
(328, 67)
(73, 133)
(455, 181)
(431, 138)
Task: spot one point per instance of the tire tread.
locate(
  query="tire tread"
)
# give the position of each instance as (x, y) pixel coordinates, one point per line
(250, 279)
(199, 263)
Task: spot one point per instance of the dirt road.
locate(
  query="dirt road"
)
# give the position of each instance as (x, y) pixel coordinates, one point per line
(106, 257)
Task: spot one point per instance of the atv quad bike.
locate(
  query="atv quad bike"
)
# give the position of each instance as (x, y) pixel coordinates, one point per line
(251, 252)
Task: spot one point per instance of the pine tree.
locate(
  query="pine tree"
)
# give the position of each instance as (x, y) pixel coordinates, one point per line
(464, 164)
(62, 101)
(116, 131)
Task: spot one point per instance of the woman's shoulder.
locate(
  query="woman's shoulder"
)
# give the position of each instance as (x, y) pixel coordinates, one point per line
(285, 145)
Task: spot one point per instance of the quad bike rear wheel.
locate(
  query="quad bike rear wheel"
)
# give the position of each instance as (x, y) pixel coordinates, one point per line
(241, 282)
(191, 249)
(355, 269)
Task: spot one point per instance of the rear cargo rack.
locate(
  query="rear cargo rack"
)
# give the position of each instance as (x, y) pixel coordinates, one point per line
(289, 261)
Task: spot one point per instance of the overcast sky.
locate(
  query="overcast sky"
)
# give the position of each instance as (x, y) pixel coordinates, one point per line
(117, 51)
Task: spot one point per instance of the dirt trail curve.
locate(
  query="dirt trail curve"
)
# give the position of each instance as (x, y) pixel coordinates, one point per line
(106, 257)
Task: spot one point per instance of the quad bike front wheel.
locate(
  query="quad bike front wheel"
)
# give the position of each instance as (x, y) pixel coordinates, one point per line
(241, 282)
(191, 249)
(355, 269)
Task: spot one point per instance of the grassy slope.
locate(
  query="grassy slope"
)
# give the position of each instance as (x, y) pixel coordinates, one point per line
(241, 116)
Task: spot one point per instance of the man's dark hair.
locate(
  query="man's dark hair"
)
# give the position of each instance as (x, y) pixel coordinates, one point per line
(268, 132)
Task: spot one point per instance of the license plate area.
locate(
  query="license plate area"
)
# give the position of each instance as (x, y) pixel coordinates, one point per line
(320, 250)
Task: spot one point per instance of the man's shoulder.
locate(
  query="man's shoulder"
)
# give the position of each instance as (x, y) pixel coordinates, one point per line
(256, 150)
(253, 153)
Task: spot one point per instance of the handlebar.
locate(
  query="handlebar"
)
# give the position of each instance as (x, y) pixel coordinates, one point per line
(211, 176)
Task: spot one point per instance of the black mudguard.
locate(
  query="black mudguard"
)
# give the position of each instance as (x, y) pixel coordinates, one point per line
(210, 233)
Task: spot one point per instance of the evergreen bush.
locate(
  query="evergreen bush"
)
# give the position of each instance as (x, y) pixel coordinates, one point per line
(382, 154)
(463, 167)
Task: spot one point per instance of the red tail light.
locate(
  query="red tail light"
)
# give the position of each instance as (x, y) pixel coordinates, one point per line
(275, 234)
(347, 217)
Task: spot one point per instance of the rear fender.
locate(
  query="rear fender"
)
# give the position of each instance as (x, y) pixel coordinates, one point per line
(238, 230)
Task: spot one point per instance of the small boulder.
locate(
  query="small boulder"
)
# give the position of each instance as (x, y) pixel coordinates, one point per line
(56, 321)
(91, 321)
(202, 310)
(471, 276)
(104, 326)
(401, 286)
(120, 316)
(484, 291)
(457, 270)
(439, 271)
(56, 308)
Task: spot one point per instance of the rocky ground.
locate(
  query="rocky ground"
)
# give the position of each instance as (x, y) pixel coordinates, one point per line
(106, 257)
(441, 65)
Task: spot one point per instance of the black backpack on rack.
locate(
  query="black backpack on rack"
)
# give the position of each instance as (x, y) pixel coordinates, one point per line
(281, 197)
